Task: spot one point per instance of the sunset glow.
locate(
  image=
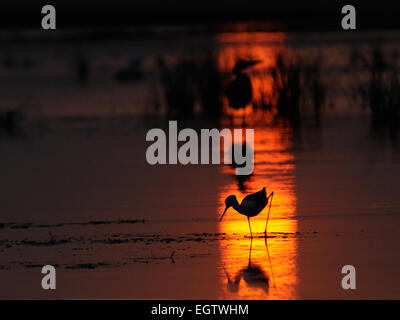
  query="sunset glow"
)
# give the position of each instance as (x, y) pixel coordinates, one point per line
(274, 166)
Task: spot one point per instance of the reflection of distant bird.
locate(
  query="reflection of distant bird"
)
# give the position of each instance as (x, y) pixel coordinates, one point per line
(239, 90)
(253, 275)
(241, 179)
(251, 206)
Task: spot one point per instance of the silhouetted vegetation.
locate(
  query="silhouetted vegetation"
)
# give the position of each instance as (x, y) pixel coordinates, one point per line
(295, 84)
(178, 87)
(209, 84)
(381, 92)
(10, 121)
(188, 83)
(82, 68)
(191, 81)
(315, 88)
(286, 87)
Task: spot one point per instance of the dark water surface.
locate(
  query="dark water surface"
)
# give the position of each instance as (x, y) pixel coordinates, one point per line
(76, 190)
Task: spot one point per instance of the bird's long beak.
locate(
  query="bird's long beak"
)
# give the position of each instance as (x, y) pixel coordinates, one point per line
(226, 208)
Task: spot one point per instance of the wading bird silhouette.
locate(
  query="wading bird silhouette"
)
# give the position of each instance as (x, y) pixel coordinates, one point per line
(251, 206)
(239, 90)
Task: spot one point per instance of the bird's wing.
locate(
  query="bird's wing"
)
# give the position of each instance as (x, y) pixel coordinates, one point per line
(257, 197)
(249, 205)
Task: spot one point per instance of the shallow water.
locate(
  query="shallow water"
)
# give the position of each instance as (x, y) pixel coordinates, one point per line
(77, 192)
(105, 218)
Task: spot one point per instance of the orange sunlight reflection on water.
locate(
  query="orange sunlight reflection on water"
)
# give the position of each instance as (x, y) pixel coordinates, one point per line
(270, 271)
(256, 269)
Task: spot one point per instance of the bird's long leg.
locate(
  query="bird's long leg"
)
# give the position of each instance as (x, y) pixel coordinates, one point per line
(251, 244)
(251, 234)
(227, 275)
(270, 263)
(269, 209)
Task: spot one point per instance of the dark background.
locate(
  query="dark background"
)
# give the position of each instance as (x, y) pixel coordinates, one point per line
(306, 14)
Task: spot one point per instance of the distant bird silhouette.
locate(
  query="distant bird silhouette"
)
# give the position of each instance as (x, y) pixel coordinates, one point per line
(251, 206)
(239, 90)
(10, 121)
(132, 72)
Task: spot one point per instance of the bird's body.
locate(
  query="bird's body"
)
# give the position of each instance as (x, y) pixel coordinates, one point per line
(250, 206)
(239, 91)
(253, 203)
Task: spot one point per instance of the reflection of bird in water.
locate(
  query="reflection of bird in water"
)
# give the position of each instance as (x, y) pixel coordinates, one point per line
(251, 206)
(253, 275)
(239, 90)
(241, 179)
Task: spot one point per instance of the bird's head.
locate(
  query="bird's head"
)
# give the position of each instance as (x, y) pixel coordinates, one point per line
(230, 201)
(242, 65)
